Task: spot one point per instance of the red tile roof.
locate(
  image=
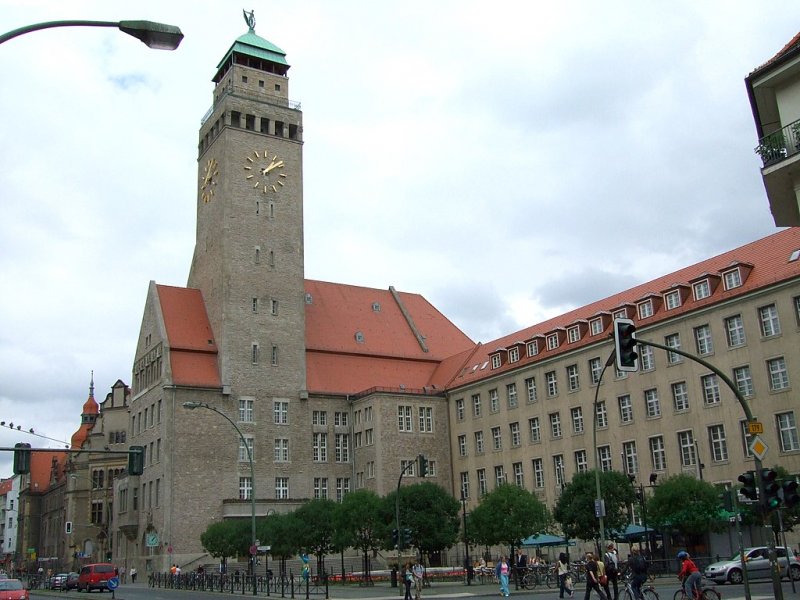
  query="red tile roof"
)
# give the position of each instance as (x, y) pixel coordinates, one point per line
(6, 486)
(768, 257)
(193, 351)
(793, 44)
(41, 466)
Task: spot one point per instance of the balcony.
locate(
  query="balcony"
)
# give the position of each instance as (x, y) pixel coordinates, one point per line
(779, 145)
(780, 157)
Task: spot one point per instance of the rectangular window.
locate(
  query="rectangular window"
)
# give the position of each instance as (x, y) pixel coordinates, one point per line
(499, 476)
(281, 452)
(555, 425)
(254, 354)
(511, 395)
(577, 419)
(687, 449)
(513, 355)
(245, 488)
(604, 458)
(530, 386)
(701, 289)
(717, 443)
(340, 419)
(538, 472)
(519, 476)
(273, 307)
(645, 309)
(658, 454)
(320, 488)
(680, 396)
(581, 461)
(464, 485)
(630, 457)
(573, 334)
(672, 300)
(494, 401)
(732, 279)
(496, 361)
(573, 382)
(425, 419)
(532, 348)
(342, 488)
(703, 341)
(479, 448)
(552, 383)
(476, 405)
(462, 445)
(647, 360)
(596, 326)
(274, 360)
(255, 305)
(243, 455)
(460, 409)
(787, 431)
(652, 403)
(341, 443)
(404, 422)
(673, 341)
(734, 331)
(778, 375)
(558, 470)
(552, 341)
(280, 412)
(797, 310)
(497, 438)
(768, 318)
(625, 409)
(747, 438)
(602, 415)
(516, 437)
(369, 437)
(319, 417)
(409, 467)
(320, 447)
(246, 410)
(482, 487)
(535, 429)
(743, 380)
(595, 368)
(281, 488)
(710, 389)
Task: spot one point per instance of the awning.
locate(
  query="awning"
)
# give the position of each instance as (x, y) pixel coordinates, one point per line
(631, 533)
(545, 539)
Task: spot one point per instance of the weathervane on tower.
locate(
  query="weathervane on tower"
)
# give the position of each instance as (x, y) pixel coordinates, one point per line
(250, 19)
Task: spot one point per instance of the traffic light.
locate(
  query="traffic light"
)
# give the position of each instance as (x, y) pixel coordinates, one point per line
(68, 527)
(395, 539)
(423, 465)
(135, 460)
(22, 459)
(726, 499)
(625, 345)
(789, 491)
(771, 488)
(406, 537)
(749, 485)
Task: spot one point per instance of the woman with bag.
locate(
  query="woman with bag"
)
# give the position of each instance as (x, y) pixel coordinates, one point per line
(593, 578)
(564, 580)
(611, 561)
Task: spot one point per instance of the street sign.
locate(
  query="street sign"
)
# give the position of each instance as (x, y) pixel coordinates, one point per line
(754, 427)
(264, 548)
(758, 448)
(113, 583)
(599, 508)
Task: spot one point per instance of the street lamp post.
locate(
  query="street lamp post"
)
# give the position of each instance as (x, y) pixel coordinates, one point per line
(155, 35)
(467, 563)
(253, 544)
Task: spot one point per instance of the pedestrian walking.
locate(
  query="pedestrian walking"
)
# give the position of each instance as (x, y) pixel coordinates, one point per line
(611, 561)
(593, 578)
(562, 570)
(122, 574)
(501, 570)
(419, 575)
(408, 577)
(133, 574)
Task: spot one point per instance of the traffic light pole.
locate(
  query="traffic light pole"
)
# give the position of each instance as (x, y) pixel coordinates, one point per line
(773, 557)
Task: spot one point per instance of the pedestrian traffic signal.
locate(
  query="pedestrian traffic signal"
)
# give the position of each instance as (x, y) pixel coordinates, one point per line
(22, 459)
(789, 491)
(771, 498)
(749, 485)
(625, 345)
(423, 465)
(135, 460)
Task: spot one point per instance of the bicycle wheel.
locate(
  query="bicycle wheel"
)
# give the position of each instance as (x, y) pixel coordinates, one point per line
(551, 580)
(679, 595)
(649, 594)
(710, 594)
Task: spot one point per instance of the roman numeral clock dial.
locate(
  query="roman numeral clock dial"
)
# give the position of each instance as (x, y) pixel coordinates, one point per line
(264, 171)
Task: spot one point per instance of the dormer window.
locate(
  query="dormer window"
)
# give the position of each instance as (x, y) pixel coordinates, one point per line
(701, 289)
(672, 299)
(496, 361)
(552, 341)
(359, 337)
(620, 314)
(596, 326)
(513, 355)
(732, 278)
(573, 334)
(376, 307)
(645, 309)
(532, 347)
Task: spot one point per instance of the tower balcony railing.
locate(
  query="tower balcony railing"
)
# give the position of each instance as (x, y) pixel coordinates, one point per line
(240, 93)
(779, 145)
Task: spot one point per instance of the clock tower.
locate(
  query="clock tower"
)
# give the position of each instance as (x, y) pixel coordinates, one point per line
(248, 257)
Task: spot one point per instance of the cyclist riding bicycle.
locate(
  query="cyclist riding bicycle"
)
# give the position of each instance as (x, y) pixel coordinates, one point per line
(638, 566)
(690, 575)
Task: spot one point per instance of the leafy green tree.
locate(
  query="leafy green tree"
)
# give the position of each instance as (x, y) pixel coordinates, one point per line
(429, 511)
(686, 505)
(227, 538)
(575, 507)
(358, 520)
(278, 531)
(507, 515)
(315, 528)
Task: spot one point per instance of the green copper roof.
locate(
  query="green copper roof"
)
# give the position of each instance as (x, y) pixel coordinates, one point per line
(252, 45)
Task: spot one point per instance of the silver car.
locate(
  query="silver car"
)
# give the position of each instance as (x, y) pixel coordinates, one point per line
(757, 561)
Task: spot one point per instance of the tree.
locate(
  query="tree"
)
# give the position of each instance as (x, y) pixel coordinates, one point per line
(278, 531)
(358, 521)
(429, 511)
(686, 505)
(315, 528)
(575, 507)
(226, 538)
(507, 515)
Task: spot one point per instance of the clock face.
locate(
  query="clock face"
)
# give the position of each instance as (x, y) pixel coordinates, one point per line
(208, 181)
(265, 171)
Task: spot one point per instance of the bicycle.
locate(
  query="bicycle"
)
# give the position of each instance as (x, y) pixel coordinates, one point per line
(707, 592)
(648, 591)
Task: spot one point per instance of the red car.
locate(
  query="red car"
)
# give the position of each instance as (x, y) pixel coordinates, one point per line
(12, 589)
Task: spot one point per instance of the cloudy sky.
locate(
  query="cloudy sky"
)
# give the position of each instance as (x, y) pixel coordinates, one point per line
(507, 160)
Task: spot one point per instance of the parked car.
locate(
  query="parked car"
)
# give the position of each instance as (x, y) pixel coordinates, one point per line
(72, 581)
(12, 589)
(95, 576)
(57, 581)
(757, 561)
